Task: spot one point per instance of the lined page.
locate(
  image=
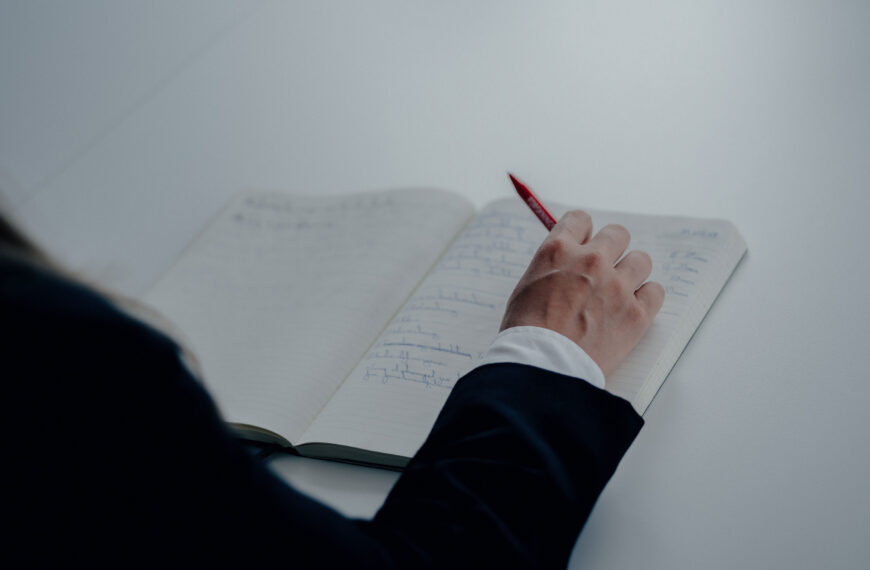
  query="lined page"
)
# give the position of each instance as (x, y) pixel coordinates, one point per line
(391, 399)
(692, 259)
(281, 295)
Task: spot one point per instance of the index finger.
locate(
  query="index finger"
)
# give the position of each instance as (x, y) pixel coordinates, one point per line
(576, 223)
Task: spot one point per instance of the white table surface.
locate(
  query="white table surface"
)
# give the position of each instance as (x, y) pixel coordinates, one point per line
(125, 126)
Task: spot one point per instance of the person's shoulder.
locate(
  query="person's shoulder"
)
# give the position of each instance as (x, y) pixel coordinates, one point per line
(45, 310)
(30, 289)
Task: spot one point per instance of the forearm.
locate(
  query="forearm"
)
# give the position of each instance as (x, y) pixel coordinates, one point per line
(509, 473)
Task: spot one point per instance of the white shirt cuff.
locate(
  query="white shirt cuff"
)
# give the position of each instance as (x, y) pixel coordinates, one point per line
(543, 348)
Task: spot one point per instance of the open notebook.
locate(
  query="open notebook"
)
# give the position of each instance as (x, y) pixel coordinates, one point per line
(338, 325)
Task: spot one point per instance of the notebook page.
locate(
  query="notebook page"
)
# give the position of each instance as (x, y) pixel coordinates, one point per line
(692, 259)
(281, 295)
(390, 401)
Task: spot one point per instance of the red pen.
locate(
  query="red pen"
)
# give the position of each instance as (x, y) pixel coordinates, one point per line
(533, 203)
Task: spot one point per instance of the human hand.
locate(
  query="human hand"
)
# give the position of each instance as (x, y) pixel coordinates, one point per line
(574, 286)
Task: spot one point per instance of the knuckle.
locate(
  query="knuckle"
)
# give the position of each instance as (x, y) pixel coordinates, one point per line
(593, 260)
(554, 250)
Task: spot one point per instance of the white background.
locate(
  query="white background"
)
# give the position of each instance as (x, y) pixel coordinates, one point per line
(125, 125)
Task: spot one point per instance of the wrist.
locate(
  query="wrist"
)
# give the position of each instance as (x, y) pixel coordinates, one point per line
(546, 349)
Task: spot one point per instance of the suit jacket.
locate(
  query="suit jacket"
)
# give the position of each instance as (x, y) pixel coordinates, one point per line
(115, 456)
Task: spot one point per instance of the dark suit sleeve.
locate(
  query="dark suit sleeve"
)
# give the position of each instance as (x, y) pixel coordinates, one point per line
(115, 456)
(510, 472)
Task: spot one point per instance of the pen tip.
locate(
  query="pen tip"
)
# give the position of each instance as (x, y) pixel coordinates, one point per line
(516, 182)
